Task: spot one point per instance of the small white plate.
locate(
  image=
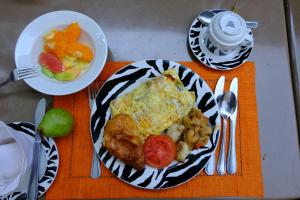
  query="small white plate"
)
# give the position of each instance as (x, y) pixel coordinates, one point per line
(30, 45)
(49, 161)
(211, 58)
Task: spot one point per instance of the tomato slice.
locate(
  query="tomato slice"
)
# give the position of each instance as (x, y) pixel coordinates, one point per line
(159, 151)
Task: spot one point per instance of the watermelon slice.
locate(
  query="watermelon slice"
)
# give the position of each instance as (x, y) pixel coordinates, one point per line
(51, 62)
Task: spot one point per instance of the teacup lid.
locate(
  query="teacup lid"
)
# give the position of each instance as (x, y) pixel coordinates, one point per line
(228, 28)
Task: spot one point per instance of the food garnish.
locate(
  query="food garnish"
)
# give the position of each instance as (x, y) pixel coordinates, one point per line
(64, 58)
(159, 151)
(57, 122)
(121, 140)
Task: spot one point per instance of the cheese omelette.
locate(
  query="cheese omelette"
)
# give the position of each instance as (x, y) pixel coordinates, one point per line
(156, 104)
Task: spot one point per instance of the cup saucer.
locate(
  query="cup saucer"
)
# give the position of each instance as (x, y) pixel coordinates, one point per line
(212, 58)
(49, 160)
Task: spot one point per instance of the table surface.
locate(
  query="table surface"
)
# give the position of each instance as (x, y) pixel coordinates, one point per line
(294, 36)
(138, 30)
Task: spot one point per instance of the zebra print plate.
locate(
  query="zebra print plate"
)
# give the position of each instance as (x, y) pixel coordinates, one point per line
(124, 81)
(210, 57)
(49, 169)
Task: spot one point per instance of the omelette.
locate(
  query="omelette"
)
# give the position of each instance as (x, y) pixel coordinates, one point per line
(156, 104)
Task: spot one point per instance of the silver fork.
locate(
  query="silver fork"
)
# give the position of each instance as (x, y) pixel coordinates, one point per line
(19, 74)
(95, 170)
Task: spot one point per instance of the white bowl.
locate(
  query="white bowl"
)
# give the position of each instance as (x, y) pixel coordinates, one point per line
(30, 45)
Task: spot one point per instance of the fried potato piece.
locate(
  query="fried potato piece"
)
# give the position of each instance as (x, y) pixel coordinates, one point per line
(197, 129)
(121, 140)
(175, 131)
(183, 151)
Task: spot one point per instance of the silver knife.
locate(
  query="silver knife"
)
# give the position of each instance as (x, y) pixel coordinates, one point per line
(32, 192)
(231, 159)
(210, 166)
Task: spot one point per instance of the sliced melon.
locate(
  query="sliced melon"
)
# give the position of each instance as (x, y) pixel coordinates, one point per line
(70, 62)
(82, 65)
(67, 62)
(47, 72)
(67, 75)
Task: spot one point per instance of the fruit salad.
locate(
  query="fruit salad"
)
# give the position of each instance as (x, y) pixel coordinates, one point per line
(64, 58)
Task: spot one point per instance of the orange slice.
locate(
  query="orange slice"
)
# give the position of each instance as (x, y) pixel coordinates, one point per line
(80, 51)
(72, 32)
(57, 48)
(56, 36)
(64, 43)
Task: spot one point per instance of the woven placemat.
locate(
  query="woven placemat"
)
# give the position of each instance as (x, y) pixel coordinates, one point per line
(74, 182)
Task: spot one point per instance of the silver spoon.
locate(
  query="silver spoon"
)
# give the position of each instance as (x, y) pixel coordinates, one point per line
(206, 16)
(227, 105)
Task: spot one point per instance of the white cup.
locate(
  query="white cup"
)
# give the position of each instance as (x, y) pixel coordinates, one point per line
(226, 32)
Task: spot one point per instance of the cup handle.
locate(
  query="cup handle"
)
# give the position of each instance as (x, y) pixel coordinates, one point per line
(248, 39)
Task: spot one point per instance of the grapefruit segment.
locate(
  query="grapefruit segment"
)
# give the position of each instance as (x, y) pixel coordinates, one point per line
(51, 62)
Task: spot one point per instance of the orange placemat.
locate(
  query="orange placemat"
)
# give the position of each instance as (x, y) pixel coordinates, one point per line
(73, 180)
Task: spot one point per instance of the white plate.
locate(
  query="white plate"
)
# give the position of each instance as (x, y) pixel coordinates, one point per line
(30, 44)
